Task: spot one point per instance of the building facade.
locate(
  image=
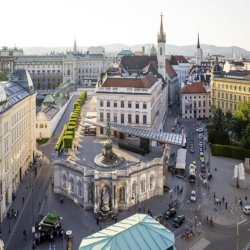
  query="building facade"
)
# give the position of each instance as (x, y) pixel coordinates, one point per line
(229, 89)
(181, 66)
(7, 59)
(138, 101)
(46, 71)
(125, 187)
(196, 101)
(17, 134)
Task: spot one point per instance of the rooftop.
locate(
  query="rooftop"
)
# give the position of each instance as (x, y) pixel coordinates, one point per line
(130, 82)
(194, 88)
(139, 231)
(16, 90)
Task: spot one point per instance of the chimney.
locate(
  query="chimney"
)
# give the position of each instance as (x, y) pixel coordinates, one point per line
(143, 50)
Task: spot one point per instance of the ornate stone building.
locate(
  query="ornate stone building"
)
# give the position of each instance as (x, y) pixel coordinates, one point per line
(123, 187)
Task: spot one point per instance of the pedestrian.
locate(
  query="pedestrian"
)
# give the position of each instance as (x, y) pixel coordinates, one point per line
(23, 199)
(241, 203)
(139, 208)
(148, 212)
(207, 219)
(24, 235)
(12, 212)
(97, 221)
(188, 201)
(214, 196)
(115, 219)
(220, 202)
(226, 205)
(223, 199)
(178, 188)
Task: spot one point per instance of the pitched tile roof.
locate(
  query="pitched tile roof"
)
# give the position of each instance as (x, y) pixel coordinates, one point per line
(194, 88)
(175, 60)
(169, 69)
(134, 62)
(129, 82)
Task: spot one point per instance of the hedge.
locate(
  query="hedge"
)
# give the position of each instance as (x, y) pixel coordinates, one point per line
(229, 151)
(60, 140)
(68, 139)
(69, 132)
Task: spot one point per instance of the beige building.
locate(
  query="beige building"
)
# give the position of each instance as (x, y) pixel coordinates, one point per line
(17, 134)
(229, 89)
(195, 101)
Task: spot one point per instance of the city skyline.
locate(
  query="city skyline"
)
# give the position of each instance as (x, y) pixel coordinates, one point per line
(106, 22)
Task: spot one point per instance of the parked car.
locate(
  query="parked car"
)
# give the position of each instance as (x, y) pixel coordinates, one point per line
(246, 209)
(193, 195)
(159, 218)
(200, 136)
(170, 213)
(178, 221)
(191, 149)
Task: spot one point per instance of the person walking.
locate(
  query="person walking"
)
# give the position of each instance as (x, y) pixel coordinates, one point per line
(23, 199)
(226, 205)
(223, 199)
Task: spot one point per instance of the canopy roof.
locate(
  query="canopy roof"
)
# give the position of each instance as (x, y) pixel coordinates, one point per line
(139, 231)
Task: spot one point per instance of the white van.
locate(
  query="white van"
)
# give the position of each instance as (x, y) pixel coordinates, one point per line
(246, 209)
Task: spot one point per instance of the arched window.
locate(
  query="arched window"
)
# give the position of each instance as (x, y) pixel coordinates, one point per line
(122, 194)
(143, 185)
(79, 188)
(64, 181)
(151, 182)
(71, 185)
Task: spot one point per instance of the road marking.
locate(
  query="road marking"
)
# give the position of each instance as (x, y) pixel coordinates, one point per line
(242, 221)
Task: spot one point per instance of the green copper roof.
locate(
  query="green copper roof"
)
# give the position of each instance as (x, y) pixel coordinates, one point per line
(49, 99)
(139, 231)
(153, 51)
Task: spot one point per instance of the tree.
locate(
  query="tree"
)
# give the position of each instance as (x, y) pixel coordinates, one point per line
(218, 119)
(245, 141)
(3, 77)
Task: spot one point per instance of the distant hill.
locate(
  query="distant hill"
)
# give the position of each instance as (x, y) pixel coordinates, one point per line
(113, 49)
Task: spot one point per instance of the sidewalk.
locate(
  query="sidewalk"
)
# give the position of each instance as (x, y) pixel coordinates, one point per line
(24, 190)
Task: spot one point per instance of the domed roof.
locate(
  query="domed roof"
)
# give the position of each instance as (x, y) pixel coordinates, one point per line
(49, 99)
(153, 51)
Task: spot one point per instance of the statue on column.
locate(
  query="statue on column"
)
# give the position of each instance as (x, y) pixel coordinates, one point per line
(108, 131)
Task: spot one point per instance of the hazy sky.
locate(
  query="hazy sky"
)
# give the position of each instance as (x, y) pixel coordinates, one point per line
(96, 22)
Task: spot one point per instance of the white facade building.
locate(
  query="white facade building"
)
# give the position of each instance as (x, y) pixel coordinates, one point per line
(181, 66)
(139, 101)
(196, 101)
(17, 134)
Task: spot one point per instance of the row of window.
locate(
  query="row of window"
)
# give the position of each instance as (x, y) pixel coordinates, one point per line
(123, 104)
(194, 97)
(233, 87)
(199, 111)
(41, 125)
(226, 105)
(232, 97)
(130, 118)
(143, 185)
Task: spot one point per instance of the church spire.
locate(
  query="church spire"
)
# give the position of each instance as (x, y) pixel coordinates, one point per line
(75, 47)
(161, 35)
(198, 42)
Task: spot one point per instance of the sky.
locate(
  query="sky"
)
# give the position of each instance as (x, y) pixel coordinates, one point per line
(56, 23)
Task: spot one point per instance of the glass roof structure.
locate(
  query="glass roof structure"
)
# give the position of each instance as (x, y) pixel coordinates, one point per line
(139, 231)
(16, 90)
(169, 138)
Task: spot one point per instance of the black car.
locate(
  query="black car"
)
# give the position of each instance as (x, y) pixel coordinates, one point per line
(170, 213)
(178, 221)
